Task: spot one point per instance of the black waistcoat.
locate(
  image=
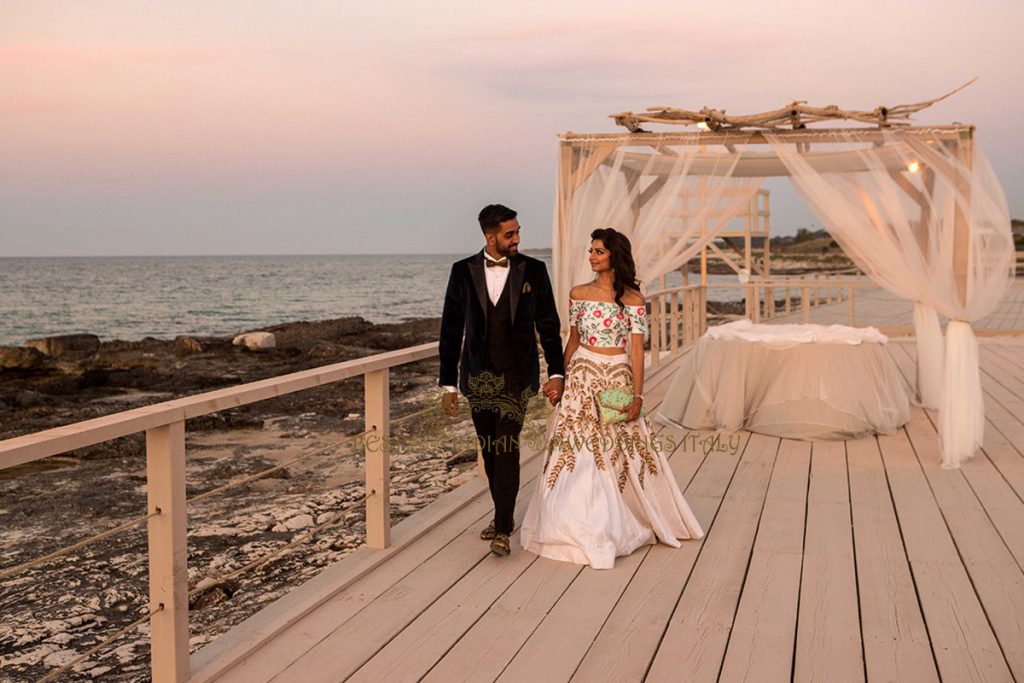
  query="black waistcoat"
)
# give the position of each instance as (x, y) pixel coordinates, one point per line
(500, 352)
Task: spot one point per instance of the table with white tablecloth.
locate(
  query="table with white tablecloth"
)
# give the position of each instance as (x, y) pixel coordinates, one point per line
(793, 381)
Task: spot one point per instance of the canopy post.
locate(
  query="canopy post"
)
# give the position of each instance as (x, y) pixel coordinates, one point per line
(961, 217)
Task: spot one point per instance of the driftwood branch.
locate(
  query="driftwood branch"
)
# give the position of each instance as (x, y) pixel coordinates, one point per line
(795, 115)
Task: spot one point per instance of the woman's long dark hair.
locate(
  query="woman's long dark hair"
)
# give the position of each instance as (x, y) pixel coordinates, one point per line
(621, 260)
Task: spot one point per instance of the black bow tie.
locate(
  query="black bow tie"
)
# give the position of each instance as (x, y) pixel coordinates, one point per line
(503, 263)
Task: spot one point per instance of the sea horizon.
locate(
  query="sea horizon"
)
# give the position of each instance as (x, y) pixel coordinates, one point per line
(133, 297)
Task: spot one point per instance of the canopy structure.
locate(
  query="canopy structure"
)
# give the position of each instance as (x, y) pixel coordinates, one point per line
(918, 209)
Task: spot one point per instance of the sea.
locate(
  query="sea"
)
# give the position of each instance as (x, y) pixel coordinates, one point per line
(131, 298)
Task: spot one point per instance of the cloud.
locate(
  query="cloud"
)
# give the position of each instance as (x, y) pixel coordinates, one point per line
(599, 60)
(42, 54)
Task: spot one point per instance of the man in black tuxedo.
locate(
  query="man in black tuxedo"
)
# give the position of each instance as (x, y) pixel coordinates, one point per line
(497, 303)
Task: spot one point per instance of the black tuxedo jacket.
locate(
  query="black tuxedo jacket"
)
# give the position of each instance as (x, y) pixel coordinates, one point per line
(463, 343)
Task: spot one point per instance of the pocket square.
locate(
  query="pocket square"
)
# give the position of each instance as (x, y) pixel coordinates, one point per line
(526, 288)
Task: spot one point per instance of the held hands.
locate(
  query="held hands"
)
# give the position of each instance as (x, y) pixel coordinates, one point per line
(553, 389)
(450, 403)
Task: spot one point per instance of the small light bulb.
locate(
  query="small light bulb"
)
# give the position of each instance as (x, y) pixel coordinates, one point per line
(914, 166)
(703, 126)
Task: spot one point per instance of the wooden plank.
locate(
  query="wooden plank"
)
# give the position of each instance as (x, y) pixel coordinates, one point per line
(694, 642)
(996, 576)
(896, 645)
(487, 647)
(341, 652)
(963, 642)
(828, 633)
(411, 654)
(628, 640)
(555, 649)
(290, 640)
(764, 632)
(258, 630)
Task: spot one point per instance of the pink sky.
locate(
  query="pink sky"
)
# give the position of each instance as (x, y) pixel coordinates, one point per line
(259, 127)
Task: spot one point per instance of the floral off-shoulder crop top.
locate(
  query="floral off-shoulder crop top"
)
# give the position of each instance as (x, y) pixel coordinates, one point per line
(605, 324)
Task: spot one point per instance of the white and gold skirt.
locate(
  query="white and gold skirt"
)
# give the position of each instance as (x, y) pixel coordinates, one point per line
(605, 490)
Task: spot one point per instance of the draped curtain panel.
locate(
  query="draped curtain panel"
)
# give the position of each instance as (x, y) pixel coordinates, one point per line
(927, 220)
(670, 200)
(923, 215)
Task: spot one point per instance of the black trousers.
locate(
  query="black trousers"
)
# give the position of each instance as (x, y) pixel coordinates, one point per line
(498, 434)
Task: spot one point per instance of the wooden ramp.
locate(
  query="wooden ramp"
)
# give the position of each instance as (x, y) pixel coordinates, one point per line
(893, 315)
(823, 561)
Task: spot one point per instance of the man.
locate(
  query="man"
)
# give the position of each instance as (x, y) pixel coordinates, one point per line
(497, 302)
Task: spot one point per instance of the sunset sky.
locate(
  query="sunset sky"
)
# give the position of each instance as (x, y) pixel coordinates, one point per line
(382, 127)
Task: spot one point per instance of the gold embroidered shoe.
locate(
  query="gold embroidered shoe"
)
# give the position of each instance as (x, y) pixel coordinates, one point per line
(488, 533)
(500, 545)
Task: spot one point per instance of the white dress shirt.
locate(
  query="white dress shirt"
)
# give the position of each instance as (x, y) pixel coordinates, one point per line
(496, 278)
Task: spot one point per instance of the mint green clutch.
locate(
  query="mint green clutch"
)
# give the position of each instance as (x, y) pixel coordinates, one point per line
(611, 404)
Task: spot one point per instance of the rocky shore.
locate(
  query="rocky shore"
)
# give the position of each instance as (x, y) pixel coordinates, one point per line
(55, 611)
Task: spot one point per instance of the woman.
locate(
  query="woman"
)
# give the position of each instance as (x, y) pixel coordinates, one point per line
(605, 489)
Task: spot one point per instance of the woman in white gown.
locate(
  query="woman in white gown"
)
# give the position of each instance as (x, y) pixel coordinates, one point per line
(606, 488)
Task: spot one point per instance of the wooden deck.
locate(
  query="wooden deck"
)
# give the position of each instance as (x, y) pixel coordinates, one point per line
(823, 561)
(893, 315)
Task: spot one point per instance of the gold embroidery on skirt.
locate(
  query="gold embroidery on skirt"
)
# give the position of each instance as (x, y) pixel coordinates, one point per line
(578, 425)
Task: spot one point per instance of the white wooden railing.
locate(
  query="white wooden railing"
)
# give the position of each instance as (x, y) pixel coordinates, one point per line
(678, 315)
(682, 324)
(164, 426)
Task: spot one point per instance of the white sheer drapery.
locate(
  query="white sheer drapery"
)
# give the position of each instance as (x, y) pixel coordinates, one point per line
(671, 201)
(928, 221)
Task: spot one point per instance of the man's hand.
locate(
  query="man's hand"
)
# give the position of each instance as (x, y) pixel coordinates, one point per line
(450, 403)
(553, 389)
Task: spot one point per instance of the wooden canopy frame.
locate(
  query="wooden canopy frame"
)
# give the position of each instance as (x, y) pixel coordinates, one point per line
(576, 165)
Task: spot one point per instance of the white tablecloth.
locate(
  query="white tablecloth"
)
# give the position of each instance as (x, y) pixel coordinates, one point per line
(793, 381)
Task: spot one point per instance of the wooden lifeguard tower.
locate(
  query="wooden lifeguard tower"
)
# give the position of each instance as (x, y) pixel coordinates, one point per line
(753, 223)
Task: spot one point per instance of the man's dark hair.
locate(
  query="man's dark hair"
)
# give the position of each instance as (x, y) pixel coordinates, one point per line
(493, 215)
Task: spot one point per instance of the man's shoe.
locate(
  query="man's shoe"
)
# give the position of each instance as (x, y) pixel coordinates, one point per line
(488, 533)
(500, 545)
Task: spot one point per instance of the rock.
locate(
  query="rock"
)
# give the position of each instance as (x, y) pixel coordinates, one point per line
(19, 358)
(186, 345)
(468, 455)
(299, 522)
(322, 349)
(256, 340)
(66, 345)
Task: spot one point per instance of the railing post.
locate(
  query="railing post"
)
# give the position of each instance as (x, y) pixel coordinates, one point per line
(789, 306)
(853, 310)
(655, 326)
(805, 302)
(378, 459)
(689, 311)
(703, 303)
(769, 302)
(817, 290)
(674, 322)
(756, 304)
(168, 552)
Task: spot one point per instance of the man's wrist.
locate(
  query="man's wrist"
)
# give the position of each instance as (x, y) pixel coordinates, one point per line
(450, 389)
(556, 377)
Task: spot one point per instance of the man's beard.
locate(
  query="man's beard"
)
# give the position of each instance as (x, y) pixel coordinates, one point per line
(503, 251)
